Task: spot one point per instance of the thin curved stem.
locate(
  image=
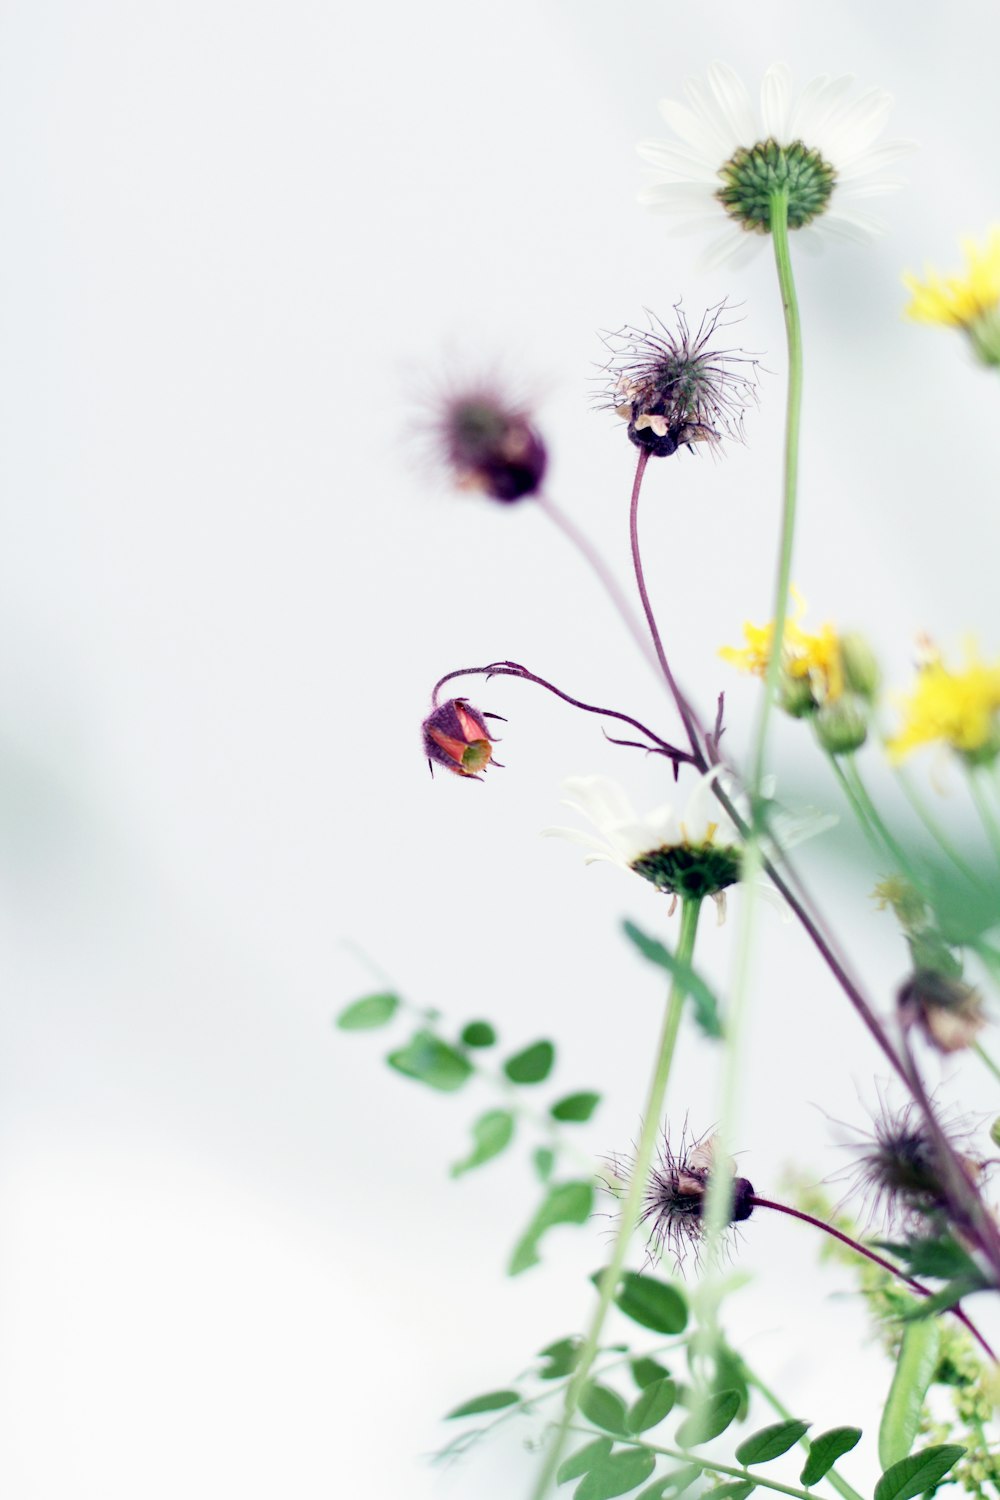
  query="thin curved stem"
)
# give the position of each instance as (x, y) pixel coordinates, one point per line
(991, 826)
(699, 1461)
(579, 539)
(879, 1260)
(632, 1206)
(932, 825)
(865, 800)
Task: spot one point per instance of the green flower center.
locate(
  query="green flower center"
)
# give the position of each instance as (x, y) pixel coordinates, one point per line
(690, 871)
(750, 178)
(476, 755)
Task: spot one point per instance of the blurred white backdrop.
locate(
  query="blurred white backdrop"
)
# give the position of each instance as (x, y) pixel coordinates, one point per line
(240, 243)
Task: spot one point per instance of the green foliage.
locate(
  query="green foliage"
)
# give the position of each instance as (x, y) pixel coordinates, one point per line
(575, 1107)
(826, 1449)
(652, 1303)
(616, 1475)
(673, 1484)
(368, 1012)
(712, 1416)
(915, 1367)
(562, 1357)
(604, 1407)
(706, 1006)
(543, 1159)
(478, 1034)
(564, 1203)
(737, 1489)
(491, 1134)
(430, 1060)
(583, 1459)
(492, 1401)
(532, 1065)
(770, 1442)
(652, 1406)
(918, 1473)
(645, 1371)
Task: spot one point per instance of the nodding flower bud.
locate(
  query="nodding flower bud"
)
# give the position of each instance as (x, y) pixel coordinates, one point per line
(674, 1203)
(456, 736)
(860, 666)
(842, 725)
(948, 1012)
(490, 445)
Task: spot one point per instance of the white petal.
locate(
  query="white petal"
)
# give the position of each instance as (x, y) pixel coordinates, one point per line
(858, 125)
(734, 104)
(776, 102)
(875, 159)
(574, 836)
(705, 139)
(690, 196)
(735, 248)
(679, 161)
(599, 798)
(818, 106)
(713, 123)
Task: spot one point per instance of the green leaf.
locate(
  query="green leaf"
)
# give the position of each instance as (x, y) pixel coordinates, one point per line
(430, 1060)
(671, 1484)
(712, 1416)
(652, 1406)
(564, 1203)
(491, 1134)
(706, 1006)
(562, 1358)
(652, 1303)
(918, 1473)
(915, 1366)
(645, 1371)
(492, 1401)
(583, 1460)
(369, 1012)
(770, 1442)
(576, 1107)
(941, 1257)
(478, 1034)
(737, 1490)
(604, 1407)
(826, 1449)
(544, 1160)
(616, 1475)
(533, 1065)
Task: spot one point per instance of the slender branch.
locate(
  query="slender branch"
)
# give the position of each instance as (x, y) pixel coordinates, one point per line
(879, 1260)
(514, 669)
(750, 1476)
(634, 1197)
(579, 539)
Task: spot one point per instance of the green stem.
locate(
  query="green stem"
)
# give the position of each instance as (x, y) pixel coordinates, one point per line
(867, 827)
(894, 848)
(932, 825)
(750, 1476)
(632, 1206)
(985, 811)
(793, 412)
(986, 1059)
(752, 1378)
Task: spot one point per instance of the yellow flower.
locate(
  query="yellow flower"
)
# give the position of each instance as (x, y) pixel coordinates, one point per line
(970, 301)
(812, 666)
(958, 708)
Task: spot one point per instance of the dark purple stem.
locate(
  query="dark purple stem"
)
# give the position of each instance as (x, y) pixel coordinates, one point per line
(879, 1260)
(514, 669)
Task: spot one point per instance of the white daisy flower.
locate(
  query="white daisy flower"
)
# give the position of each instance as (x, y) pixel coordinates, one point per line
(692, 852)
(819, 145)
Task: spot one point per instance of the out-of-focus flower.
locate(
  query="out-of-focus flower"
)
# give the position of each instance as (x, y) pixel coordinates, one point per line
(489, 443)
(456, 736)
(819, 147)
(673, 390)
(674, 1201)
(899, 1173)
(970, 301)
(959, 709)
(831, 677)
(947, 1011)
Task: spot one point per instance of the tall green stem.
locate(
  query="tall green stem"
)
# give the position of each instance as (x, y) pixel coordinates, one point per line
(632, 1206)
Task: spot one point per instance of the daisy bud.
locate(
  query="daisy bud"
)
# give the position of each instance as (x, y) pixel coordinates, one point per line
(948, 1012)
(860, 667)
(842, 725)
(456, 736)
(490, 445)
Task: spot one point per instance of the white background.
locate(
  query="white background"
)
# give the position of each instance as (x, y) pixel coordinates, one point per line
(241, 244)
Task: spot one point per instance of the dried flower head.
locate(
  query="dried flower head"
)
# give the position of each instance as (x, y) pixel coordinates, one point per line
(488, 441)
(898, 1171)
(455, 735)
(673, 390)
(674, 1202)
(947, 1011)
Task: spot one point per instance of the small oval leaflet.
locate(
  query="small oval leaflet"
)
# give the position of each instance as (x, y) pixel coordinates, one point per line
(583, 1460)
(646, 1370)
(652, 1303)
(652, 1406)
(671, 1484)
(430, 1060)
(533, 1065)
(826, 1449)
(770, 1442)
(491, 1134)
(575, 1108)
(562, 1358)
(492, 1401)
(918, 1473)
(478, 1034)
(737, 1490)
(714, 1416)
(564, 1203)
(368, 1012)
(616, 1475)
(603, 1407)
